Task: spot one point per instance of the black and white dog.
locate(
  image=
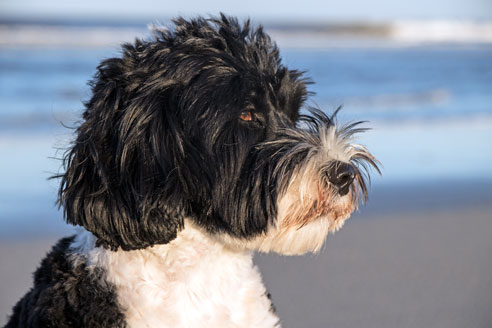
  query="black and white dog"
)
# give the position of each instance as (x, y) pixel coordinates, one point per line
(191, 155)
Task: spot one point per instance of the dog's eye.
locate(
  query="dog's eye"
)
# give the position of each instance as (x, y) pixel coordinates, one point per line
(246, 116)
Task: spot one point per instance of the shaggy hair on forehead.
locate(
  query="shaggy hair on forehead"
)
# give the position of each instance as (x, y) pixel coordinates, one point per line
(160, 138)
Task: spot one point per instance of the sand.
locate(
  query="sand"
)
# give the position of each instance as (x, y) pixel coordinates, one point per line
(421, 268)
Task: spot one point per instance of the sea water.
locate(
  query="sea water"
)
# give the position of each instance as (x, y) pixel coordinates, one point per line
(429, 107)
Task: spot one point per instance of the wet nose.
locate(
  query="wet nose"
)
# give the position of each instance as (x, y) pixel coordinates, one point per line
(341, 175)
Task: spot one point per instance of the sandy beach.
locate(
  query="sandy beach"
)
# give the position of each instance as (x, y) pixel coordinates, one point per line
(430, 269)
(421, 259)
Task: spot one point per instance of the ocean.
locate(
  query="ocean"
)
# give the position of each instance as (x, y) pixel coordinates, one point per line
(428, 104)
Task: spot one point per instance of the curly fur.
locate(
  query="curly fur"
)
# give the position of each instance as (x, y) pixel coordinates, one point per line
(67, 295)
(192, 143)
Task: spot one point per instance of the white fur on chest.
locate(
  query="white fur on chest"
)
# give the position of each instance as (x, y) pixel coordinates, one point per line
(191, 282)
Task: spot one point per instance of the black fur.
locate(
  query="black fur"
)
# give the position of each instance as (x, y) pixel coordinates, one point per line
(162, 139)
(67, 294)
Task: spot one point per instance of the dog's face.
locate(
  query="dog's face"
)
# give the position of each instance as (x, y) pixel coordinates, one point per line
(203, 123)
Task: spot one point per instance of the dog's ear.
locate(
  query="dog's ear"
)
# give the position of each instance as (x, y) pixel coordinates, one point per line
(121, 179)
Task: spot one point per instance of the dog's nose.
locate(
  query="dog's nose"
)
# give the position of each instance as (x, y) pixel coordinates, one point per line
(341, 175)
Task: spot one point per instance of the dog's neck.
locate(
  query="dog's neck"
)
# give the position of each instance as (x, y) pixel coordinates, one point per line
(192, 281)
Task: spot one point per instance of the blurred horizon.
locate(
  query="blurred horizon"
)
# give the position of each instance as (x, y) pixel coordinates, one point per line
(313, 24)
(276, 10)
(44, 32)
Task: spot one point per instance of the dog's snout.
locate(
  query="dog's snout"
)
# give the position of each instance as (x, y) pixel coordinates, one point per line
(341, 175)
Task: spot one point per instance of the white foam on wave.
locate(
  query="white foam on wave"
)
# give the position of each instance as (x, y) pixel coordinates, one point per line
(441, 31)
(330, 35)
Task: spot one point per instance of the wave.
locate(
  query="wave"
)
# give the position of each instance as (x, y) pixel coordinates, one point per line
(66, 36)
(397, 100)
(441, 31)
(288, 34)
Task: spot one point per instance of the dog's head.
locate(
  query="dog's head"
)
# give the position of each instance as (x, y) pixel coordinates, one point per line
(203, 123)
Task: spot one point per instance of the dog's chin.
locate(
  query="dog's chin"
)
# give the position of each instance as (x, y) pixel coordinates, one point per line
(296, 237)
(302, 228)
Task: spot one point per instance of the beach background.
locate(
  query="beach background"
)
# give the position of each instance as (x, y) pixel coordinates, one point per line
(419, 254)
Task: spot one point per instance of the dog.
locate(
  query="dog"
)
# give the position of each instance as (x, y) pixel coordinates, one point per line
(192, 154)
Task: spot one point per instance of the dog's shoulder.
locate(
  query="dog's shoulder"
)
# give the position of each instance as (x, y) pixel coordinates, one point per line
(67, 293)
